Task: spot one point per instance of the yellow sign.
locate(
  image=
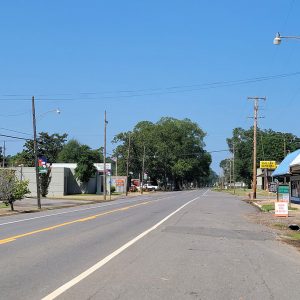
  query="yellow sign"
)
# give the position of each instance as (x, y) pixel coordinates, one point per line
(268, 164)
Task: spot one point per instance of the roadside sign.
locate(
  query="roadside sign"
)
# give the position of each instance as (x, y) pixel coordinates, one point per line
(283, 193)
(120, 182)
(273, 187)
(42, 165)
(281, 209)
(268, 164)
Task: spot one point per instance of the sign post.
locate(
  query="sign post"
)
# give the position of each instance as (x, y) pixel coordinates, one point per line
(283, 199)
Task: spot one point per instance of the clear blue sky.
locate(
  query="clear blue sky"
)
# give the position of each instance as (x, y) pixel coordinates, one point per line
(84, 57)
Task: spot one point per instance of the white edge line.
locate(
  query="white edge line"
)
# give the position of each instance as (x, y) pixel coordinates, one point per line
(79, 210)
(105, 260)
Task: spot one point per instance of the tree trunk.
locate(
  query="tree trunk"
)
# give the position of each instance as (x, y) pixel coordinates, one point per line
(11, 205)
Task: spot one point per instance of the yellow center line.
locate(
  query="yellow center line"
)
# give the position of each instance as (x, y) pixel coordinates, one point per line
(13, 238)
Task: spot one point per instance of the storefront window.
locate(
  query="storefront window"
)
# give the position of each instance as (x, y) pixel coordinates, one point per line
(295, 185)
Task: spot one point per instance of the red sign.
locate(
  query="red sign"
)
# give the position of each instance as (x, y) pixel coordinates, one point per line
(119, 182)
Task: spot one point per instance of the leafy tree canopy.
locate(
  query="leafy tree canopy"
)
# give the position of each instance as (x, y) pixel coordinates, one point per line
(271, 145)
(49, 145)
(73, 150)
(173, 150)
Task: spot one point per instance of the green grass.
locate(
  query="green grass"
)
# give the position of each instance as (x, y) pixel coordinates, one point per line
(268, 207)
(245, 192)
(294, 235)
(2, 205)
(280, 226)
(293, 208)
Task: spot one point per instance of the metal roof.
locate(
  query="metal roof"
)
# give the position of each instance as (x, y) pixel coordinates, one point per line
(284, 167)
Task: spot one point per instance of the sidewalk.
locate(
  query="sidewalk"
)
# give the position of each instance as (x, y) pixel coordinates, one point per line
(27, 205)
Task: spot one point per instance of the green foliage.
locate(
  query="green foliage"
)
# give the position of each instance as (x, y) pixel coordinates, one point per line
(173, 151)
(48, 146)
(20, 189)
(85, 168)
(44, 183)
(112, 189)
(271, 145)
(11, 189)
(72, 151)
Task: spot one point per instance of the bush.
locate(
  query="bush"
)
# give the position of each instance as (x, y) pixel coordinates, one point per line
(112, 189)
(11, 188)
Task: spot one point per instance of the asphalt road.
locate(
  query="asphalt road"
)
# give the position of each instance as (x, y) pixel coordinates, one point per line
(180, 245)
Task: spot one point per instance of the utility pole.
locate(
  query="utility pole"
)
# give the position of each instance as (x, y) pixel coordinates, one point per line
(230, 170)
(117, 165)
(254, 178)
(233, 167)
(36, 162)
(127, 167)
(104, 156)
(143, 169)
(3, 158)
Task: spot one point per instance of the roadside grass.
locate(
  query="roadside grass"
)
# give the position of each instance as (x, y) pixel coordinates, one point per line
(268, 207)
(294, 235)
(271, 206)
(280, 226)
(245, 192)
(3, 205)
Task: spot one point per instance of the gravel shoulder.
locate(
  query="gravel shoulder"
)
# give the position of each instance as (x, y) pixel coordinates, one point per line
(280, 225)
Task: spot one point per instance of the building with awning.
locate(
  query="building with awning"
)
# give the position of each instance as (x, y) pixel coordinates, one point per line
(295, 166)
(289, 168)
(283, 169)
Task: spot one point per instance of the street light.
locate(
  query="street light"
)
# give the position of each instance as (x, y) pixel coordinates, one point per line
(278, 37)
(35, 150)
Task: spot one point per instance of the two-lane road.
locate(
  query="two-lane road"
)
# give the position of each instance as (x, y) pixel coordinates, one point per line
(181, 245)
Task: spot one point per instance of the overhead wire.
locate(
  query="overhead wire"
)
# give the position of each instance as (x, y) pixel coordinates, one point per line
(159, 91)
(16, 131)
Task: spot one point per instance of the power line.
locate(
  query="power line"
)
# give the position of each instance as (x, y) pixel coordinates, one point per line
(15, 137)
(159, 91)
(15, 131)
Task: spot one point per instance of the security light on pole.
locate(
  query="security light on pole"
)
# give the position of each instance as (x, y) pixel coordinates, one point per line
(278, 38)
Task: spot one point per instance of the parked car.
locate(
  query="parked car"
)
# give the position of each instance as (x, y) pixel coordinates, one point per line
(150, 187)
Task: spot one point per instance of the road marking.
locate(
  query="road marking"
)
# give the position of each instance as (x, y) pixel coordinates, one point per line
(13, 238)
(204, 194)
(77, 210)
(105, 260)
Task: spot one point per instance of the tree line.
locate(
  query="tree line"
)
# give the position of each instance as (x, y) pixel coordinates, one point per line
(171, 150)
(271, 145)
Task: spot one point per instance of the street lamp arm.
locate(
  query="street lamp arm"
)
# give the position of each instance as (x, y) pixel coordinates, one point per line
(49, 111)
(278, 37)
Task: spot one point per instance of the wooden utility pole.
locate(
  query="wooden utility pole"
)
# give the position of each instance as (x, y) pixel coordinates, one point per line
(254, 178)
(3, 157)
(127, 167)
(143, 170)
(104, 157)
(36, 161)
(233, 167)
(230, 172)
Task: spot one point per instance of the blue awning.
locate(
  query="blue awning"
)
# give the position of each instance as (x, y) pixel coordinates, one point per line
(284, 167)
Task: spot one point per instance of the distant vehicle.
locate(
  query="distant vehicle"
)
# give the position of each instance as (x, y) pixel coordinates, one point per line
(150, 187)
(133, 188)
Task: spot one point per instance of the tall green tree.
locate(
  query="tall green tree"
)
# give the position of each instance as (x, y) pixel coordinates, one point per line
(174, 151)
(271, 145)
(49, 145)
(85, 168)
(73, 150)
